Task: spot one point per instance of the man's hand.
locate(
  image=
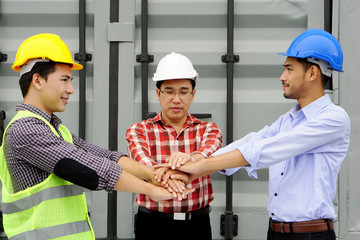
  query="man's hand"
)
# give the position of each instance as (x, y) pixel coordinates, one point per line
(160, 194)
(177, 159)
(192, 168)
(163, 174)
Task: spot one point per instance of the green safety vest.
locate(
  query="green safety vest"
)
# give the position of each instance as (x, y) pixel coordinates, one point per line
(52, 209)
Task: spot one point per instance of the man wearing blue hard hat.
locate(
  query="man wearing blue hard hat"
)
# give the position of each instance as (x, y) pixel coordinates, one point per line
(303, 148)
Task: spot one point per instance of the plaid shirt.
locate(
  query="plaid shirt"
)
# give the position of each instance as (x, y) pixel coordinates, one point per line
(151, 141)
(32, 151)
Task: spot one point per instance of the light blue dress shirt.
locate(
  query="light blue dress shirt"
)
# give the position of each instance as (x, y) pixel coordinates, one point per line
(304, 150)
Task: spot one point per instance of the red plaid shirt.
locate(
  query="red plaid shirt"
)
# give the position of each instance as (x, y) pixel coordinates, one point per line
(151, 141)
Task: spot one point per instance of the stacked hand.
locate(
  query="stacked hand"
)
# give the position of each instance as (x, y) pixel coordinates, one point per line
(173, 174)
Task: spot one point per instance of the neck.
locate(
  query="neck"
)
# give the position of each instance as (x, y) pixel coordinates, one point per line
(175, 123)
(303, 102)
(34, 102)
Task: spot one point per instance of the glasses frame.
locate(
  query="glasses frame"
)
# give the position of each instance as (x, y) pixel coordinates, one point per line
(173, 94)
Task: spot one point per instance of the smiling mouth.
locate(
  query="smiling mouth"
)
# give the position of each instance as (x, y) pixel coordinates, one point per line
(66, 100)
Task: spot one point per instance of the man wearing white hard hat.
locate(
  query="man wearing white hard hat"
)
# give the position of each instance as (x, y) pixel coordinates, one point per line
(44, 168)
(174, 134)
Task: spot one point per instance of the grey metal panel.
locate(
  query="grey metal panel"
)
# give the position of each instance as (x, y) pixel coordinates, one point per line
(349, 194)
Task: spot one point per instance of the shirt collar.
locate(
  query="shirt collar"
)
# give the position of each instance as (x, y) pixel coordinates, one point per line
(311, 109)
(53, 119)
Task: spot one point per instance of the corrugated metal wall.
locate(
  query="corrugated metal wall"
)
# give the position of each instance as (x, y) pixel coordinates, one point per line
(196, 28)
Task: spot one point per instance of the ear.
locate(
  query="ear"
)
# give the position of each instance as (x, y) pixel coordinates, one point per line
(37, 81)
(157, 94)
(314, 73)
(193, 95)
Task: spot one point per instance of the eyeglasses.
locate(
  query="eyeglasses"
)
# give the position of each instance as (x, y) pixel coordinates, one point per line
(171, 94)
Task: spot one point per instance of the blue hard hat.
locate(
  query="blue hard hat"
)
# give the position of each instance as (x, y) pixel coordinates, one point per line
(316, 43)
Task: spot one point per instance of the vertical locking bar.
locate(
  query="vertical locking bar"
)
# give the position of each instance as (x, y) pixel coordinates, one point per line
(328, 10)
(113, 117)
(229, 220)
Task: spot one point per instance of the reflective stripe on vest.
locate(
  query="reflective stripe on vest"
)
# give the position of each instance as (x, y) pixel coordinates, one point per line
(53, 232)
(54, 208)
(37, 198)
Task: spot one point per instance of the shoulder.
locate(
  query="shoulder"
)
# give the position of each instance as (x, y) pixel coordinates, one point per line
(336, 112)
(26, 130)
(28, 125)
(333, 115)
(141, 127)
(200, 124)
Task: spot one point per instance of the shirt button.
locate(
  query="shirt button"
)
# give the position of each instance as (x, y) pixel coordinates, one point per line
(272, 214)
(275, 194)
(282, 174)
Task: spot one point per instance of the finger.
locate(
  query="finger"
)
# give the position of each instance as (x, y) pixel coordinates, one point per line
(181, 177)
(180, 196)
(174, 159)
(172, 163)
(187, 160)
(174, 186)
(156, 173)
(165, 165)
(159, 173)
(178, 162)
(165, 203)
(180, 185)
(166, 176)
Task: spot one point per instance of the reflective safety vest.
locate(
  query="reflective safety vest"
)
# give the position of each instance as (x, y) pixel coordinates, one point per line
(52, 209)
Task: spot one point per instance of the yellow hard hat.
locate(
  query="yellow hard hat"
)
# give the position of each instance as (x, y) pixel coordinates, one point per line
(44, 46)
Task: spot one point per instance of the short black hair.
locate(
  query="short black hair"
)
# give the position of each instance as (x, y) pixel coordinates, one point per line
(306, 65)
(193, 83)
(41, 68)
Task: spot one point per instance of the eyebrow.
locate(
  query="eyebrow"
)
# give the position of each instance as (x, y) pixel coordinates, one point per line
(287, 65)
(182, 88)
(67, 76)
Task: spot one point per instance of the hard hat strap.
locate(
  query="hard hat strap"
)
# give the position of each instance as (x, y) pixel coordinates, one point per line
(324, 66)
(30, 64)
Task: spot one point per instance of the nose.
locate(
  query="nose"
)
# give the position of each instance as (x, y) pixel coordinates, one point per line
(176, 97)
(70, 88)
(283, 77)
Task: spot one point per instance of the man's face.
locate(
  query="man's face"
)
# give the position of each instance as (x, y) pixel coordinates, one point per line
(175, 106)
(293, 79)
(56, 90)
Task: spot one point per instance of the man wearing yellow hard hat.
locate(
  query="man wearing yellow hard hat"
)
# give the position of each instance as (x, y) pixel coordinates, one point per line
(43, 166)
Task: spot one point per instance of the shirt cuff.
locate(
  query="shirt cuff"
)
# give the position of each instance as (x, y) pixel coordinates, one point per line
(116, 155)
(113, 176)
(230, 171)
(251, 153)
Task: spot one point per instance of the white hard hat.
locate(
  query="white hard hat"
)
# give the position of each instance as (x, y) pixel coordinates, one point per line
(175, 66)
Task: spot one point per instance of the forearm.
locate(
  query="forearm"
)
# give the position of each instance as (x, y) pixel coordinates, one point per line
(135, 168)
(197, 156)
(210, 165)
(130, 183)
